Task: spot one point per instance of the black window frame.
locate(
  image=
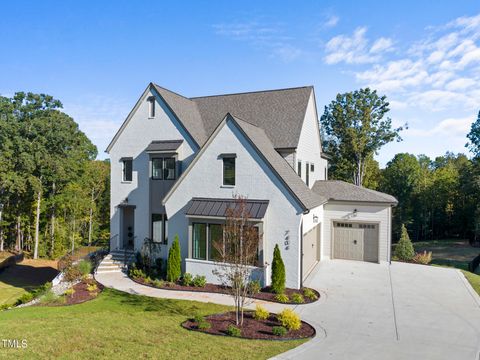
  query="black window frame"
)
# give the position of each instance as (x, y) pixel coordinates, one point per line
(124, 170)
(164, 170)
(224, 159)
(164, 236)
(151, 107)
(307, 174)
(299, 168)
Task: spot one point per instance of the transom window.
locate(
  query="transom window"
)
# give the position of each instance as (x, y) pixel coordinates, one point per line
(163, 168)
(127, 169)
(160, 228)
(229, 171)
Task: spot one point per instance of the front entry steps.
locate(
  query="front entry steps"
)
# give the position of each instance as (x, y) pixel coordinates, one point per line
(116, 261)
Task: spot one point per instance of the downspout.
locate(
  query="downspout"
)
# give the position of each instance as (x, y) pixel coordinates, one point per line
(301, 254)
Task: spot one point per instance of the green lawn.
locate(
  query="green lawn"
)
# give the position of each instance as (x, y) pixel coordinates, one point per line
(473, 279)
(119, 325)
(29, 274)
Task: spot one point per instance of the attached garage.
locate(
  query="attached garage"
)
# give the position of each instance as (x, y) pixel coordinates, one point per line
(310, 250)
(355, 241)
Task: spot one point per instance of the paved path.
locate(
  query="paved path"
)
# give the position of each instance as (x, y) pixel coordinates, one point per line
(371, 311)
(122, 282)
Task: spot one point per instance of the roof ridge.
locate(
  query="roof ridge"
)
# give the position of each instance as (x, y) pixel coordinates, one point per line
(173, 92)
(251, 92)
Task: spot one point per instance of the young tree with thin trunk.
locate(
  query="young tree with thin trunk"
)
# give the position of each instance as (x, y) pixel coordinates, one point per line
(237, 254)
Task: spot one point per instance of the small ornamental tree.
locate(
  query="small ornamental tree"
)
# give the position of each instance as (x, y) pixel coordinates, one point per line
(278, 272)
(237, 255)
(174, 261)
(404, 250)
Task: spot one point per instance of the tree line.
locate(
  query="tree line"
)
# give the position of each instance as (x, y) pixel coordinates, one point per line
(54, 195)
(438, 198)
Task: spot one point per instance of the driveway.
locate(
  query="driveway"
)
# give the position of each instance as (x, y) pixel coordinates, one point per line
(398, 311)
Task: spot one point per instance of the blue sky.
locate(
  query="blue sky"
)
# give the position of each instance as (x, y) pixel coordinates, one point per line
(97, 57)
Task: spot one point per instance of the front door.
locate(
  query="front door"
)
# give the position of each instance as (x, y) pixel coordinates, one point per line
(311, 250)
(128, 228)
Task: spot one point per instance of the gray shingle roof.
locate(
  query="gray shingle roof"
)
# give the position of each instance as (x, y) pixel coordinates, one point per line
(300, 190)
(218, 207)
(164, 145)
(280, 113)
(343, 191)
(186, 111)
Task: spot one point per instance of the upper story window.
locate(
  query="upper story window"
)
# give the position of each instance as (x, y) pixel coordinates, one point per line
(307, 174)
(299, 168)
(151, 107)
(312, 168)
(229, 170)
(163, 168)
(127, 169)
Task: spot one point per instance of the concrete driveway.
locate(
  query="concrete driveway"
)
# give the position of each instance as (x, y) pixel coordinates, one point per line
(398, 311)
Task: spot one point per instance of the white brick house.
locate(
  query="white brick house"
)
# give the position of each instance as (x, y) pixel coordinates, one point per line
(176, 163)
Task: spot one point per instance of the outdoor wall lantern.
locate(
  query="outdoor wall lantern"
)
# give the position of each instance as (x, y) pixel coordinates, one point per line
(315, 218)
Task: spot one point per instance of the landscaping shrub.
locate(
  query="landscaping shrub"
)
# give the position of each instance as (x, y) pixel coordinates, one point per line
(261, 313)
(297, 298)
(137, 274)
(174, 261)
(283, 298)
(278, 272)
(187, 279)
(404, 250)
(92, 288)
(234, 331)
(50, 298)
(254, 287)
(85, 267)
(70, 292)
(424, 258)
(147, 280)
(72, 273)
(309, 294)
(279, 331)
(289, 319)
(25, 298)
(158, 283)
(199, 281)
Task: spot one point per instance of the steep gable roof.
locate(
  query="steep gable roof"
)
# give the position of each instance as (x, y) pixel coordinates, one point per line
(306, 198)
(337, 190)
(280, 113)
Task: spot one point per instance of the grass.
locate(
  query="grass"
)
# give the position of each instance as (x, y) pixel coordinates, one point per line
(26, 276)
(120, 325)
(473, 279)
(450, 252)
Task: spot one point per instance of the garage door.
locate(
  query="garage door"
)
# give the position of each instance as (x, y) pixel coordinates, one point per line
(355, 241)
(311, 250)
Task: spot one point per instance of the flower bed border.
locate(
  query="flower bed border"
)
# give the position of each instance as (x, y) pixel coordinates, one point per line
(183, 325)
(199, 289)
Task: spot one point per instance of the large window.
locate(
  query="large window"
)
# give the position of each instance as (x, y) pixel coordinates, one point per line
(163, 168)
(229, 171)
(160, 228)
(127, 169)
(199, 241)
(206, 239)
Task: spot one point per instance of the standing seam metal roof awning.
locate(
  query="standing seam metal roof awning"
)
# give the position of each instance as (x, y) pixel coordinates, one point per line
(166, 145)
(218, 207)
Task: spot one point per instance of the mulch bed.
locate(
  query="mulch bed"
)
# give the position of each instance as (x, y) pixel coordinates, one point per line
(265, 294)
(252, 328)
(81, 293)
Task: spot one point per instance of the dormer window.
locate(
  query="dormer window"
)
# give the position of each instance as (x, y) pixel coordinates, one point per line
(151, 107)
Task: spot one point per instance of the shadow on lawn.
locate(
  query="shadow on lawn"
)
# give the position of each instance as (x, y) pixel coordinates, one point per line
(452, 263)
(26, 276)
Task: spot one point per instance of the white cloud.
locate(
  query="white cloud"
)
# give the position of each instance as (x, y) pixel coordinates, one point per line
(355, 49)
(460, 84)
(382, 45)
(332, 21)
(448, 127)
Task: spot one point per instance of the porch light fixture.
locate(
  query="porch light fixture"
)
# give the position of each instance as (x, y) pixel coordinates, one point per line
(315, 218)
(354, 212)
